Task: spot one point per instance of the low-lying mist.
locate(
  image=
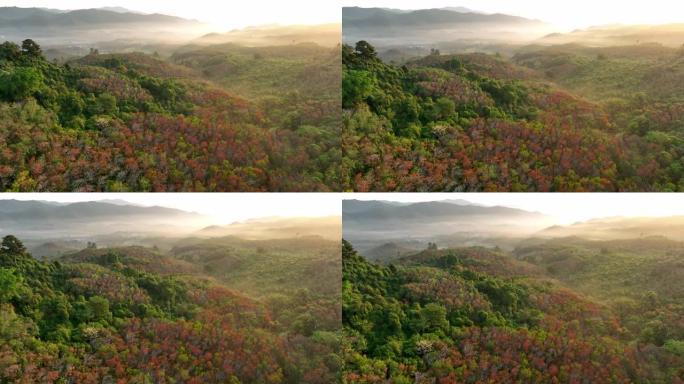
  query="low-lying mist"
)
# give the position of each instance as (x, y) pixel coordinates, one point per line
(68, 34)
(670, 35)
(49, 229)
(384, 230)
(475, 34)
(327, 35)
(329, 227)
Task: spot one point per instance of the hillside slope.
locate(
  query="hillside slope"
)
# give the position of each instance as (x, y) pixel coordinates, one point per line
(134, 314)
(478, 122)
(461, 315)
(120, 122)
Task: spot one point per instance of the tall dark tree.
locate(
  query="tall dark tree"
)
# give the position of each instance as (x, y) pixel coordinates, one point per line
(31, 49)
(10, 244)
(365, 50)
(11, 250)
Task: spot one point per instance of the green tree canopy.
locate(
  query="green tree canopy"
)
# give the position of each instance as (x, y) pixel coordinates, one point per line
(9, 51)
(31, 49)
(19, 83)
(10, 244)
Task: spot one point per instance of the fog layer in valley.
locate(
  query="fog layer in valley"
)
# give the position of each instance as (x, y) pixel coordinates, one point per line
(66, 34)
(49, 229)
(400, 35)
(386, 230)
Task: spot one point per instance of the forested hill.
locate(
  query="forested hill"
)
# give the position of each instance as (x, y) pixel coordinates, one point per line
(478, 122)
(121, 122)
(475, 314)
(133, 314)
(87, 323)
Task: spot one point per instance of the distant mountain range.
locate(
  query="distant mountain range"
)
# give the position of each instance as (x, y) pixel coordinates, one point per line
(52, 27)
(52, 228)
(46, 18)
(433, 18)
(395, 28)
(357, 211)
(116, 29)
(385, 229)
(41, 219)
(19, 210)
(119, 10)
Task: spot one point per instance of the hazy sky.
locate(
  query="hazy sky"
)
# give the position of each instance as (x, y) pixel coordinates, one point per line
(567, 207)
(565, 14)
(229, 207)
(224, 15)
(223, 207)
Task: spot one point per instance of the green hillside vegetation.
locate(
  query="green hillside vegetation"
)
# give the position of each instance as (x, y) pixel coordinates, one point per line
(117, 122)
(384, 253)
(141, 258)
(650, 71)
(560, 118)
(258, 71)
(638, 278)
(283, 266)
(480, 315)
(133, 314)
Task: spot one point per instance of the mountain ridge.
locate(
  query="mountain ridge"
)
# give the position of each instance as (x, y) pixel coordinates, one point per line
(379, 17)
(18, 16)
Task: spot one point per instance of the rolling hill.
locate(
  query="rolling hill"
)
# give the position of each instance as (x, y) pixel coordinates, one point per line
(140, 258)
(326, 35)
(670, 35)
(472, 313)
(262, 268)
(388, 252)
(560, 118)
(278, 228)
(210, 118)
(135, 314)
(620, 228)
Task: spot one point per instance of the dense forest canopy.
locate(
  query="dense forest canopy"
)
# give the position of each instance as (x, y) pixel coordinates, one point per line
(135, 122)
(549, 119)
(485, 315)
(194, 315)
